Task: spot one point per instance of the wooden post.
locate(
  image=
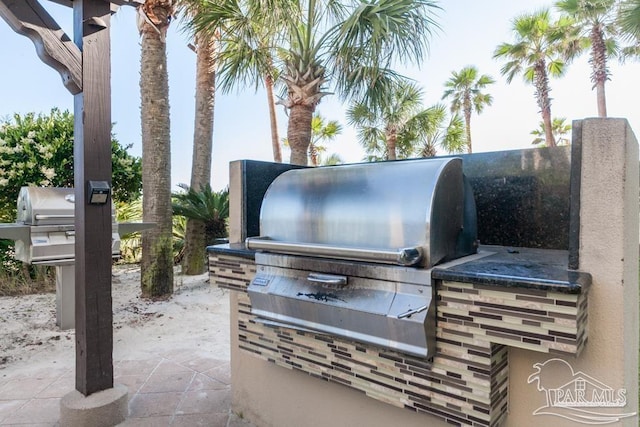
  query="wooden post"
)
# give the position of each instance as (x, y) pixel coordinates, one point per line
(92, 162)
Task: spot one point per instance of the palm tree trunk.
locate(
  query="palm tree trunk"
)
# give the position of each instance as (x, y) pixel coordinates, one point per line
(392, 139)
(194, 247)
(299, 133)
(275, 139)
(542, 98)
(601, 99)
(467, 123)
(599, 73)
(548, 129)
(157, 253)
(313, 154)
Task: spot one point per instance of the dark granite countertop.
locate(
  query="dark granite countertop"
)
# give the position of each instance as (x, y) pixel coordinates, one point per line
(235, 249)
(543, 269)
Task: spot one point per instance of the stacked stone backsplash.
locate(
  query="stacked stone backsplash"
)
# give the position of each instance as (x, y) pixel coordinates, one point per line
(466, 383)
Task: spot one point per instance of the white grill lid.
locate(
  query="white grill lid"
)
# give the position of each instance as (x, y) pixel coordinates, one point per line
(48, 206)
(45, 206)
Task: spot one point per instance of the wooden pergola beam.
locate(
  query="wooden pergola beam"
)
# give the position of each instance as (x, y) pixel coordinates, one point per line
(69, 3)
(54, 47)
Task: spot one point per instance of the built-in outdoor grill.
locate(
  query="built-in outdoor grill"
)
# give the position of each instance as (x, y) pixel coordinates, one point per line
(348, 250)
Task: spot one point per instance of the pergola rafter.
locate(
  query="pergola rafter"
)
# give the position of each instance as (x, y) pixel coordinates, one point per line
(54, 47)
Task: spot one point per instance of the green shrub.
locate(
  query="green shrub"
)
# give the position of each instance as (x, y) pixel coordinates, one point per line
(206, 205)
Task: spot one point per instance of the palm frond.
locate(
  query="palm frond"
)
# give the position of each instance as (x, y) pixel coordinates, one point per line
(205, 205)
(629, 20)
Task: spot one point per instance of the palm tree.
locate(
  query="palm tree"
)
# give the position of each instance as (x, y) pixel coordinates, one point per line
(537, 53)
(205, 47)
(332, 160)
(629, 21)
(559, 128)
(392, 117)
(352, 45)
(248, 38)
(415, 131)
(465, 90)
(449, 136)
(154, 17)
(321, 132)
(597, 21)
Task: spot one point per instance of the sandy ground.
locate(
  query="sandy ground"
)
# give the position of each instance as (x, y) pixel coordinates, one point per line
(195, 317)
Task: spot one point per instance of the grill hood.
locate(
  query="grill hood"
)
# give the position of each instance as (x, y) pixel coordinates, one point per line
(406, 212)
(348, 250)
(45, 219)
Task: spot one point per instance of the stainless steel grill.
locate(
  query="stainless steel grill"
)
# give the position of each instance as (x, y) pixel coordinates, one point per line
(347, 250)
(44, 233)
(44, 230)
(47, 215)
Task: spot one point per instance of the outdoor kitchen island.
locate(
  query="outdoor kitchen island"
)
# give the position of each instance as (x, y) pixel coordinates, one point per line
(504, 315)
(480, 311)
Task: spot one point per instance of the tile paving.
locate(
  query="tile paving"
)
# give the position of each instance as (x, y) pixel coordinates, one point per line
(178, 388)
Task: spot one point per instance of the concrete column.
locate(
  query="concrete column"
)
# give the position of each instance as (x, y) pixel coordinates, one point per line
(105, 408)
(237, 209)
(609, 251)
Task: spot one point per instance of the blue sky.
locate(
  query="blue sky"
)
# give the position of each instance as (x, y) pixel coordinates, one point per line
(470, 31)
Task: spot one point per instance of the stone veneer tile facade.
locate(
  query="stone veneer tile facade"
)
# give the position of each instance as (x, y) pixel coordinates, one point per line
(538, 320)
(466, 383)
(231, 272)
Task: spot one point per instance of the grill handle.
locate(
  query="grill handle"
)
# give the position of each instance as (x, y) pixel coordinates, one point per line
(411, 312)
(402, 256)
(38, 216)
(327, 279)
